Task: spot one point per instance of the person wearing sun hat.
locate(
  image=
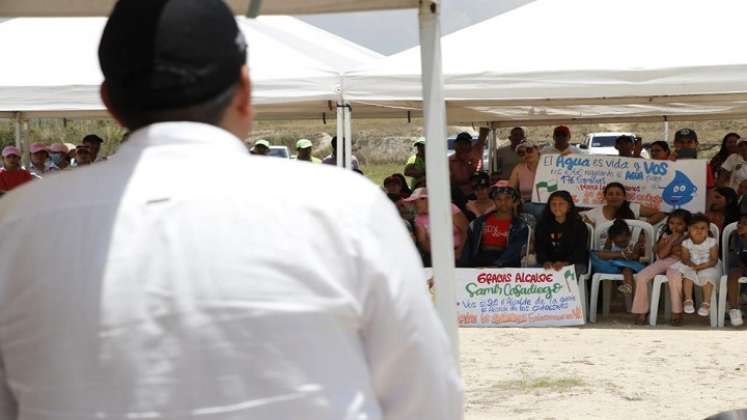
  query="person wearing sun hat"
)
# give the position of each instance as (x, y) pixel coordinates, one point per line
(419, 198)
(158, 285)
(496, 239)
(12, 174)
(39, 163)
(415, 165)
(59, 154)
(303, 151)
(261, 147)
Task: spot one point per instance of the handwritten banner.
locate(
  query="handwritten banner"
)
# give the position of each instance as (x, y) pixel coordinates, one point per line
(659, 184)
(518, 297)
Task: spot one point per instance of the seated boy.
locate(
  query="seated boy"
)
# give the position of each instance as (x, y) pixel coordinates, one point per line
(497, 238)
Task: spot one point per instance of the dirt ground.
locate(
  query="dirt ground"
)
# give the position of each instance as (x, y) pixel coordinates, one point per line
(611, 370)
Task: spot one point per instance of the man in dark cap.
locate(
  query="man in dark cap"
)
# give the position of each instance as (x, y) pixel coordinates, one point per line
(175, 302)
(561, 137)
(94, 145)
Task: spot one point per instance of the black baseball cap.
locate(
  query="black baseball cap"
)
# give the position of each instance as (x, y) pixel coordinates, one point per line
(685, 133)
(464, 136)
(625, 137)
(92, 138)
(170, 54)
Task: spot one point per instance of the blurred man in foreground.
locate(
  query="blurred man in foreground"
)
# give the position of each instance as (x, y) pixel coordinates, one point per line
(162, 297)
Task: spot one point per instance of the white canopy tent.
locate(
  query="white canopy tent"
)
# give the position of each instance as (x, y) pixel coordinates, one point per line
(579, 60)
(240, 7)
(433, 107)
(54, 69)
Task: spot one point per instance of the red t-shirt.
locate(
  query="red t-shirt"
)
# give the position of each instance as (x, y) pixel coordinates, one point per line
(12, 179)
(495, 233)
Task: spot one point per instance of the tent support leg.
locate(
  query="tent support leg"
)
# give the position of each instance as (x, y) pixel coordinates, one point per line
(437, 170)
(348, 112)
(17, 124)
(340, 133)
(492, 141)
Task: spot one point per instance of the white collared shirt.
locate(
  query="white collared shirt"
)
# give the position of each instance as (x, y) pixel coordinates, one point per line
(168, 284)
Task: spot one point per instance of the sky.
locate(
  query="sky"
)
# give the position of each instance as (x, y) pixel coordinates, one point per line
(390, 32)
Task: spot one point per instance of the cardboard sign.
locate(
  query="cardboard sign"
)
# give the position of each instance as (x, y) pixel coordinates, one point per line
(518, 297)
(659, 184)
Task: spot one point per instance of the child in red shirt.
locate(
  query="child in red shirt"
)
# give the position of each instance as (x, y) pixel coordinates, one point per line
(12, 175)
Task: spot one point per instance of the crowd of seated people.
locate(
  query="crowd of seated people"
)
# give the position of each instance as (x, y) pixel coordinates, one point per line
(497, 225)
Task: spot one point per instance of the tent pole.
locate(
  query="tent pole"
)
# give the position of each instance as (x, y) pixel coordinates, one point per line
(18, 130)
(666, 129)
(340, 133)
(348, 112)
(492, 141)
(437, 170)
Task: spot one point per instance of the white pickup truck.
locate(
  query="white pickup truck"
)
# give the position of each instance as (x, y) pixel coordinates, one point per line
(604, 144)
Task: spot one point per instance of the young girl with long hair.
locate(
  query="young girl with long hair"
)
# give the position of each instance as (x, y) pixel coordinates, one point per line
(561, 237)
(668, 251)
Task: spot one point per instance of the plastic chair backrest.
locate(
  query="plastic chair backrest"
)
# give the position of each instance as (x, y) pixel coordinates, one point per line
(589, 244)
(730, 229)
(713, 229)
(525, 250)
(643, 226)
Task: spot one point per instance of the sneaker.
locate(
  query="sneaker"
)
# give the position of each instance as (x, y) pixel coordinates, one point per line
(735, 317)
(689, 307)
(704, 309)
(625, 289)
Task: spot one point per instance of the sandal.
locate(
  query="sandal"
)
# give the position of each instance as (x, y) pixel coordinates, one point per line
(625, 289)
(705, 309)
(676, 320)
(689, 306)
(640, 319)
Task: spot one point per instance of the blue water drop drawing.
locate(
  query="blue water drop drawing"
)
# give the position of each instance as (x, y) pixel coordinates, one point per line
(680, 191)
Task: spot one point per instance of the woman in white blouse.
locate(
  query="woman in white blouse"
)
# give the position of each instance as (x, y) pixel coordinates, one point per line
(617, 206)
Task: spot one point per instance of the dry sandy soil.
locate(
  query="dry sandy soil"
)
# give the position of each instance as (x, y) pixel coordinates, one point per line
(611, 370)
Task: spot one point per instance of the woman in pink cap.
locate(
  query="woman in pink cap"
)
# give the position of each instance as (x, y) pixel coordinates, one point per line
(59, 154)
(423, 229)
(12, 175)
(39, 160)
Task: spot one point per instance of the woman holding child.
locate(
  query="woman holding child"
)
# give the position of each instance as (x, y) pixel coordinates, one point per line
(617, 206)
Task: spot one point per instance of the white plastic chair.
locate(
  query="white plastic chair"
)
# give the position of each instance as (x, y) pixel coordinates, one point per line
(584, 277)
(525, 253)
(661, 279)
(597, 278)
(722, 289)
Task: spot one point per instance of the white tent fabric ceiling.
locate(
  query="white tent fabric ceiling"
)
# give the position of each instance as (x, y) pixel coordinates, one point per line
(579, 60)
(78, 8)
(53, 68)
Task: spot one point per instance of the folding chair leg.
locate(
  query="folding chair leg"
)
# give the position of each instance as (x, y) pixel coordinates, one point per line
(714, 309)
(667, 304)
(606, 298)
(722, 301)
(653, 312)
(593, 299)
(582, 296)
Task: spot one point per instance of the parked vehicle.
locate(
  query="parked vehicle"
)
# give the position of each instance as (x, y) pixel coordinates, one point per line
(604, 144)
(280, 151)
